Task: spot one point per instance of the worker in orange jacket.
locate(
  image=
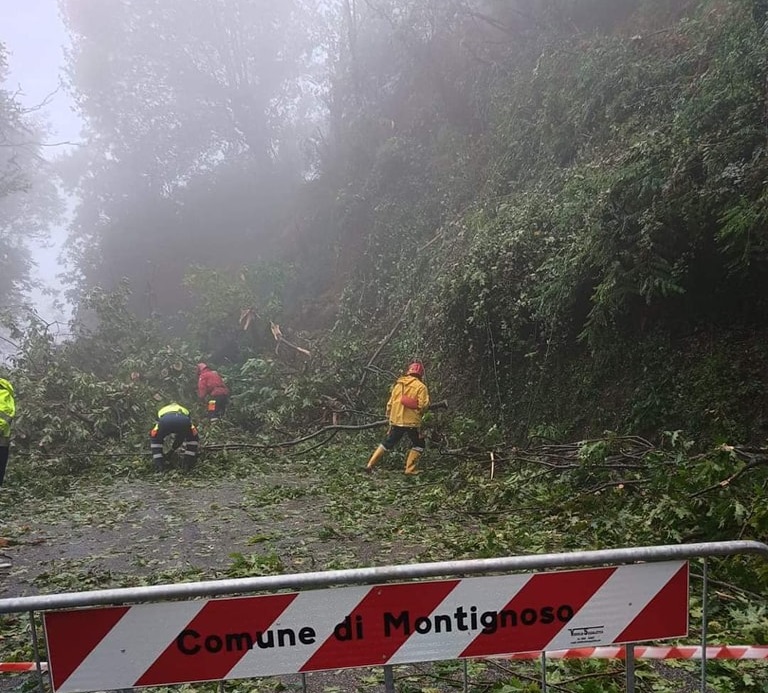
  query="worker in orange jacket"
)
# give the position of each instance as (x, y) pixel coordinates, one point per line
(408, 401)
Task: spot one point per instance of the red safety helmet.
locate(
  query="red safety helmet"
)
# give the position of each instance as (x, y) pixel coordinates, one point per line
(415, 369)
(201, 367)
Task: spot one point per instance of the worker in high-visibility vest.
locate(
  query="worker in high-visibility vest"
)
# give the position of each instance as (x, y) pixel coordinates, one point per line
(7, 414)
(173, 419)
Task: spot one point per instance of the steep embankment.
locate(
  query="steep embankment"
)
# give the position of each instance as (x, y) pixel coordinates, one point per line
(598, 258)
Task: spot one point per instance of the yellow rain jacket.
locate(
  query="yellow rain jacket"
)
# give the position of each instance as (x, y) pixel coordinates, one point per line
(412, 388)
(174, 408)
(7, 408)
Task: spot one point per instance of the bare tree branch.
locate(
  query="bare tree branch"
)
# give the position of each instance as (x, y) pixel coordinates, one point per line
(295, 441)
(384, 342)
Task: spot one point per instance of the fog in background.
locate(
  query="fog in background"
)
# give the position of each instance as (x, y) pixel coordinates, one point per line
(305, 148)
(223, 134)
(35, 38)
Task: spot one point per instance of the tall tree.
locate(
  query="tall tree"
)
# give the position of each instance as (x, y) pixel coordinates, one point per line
(193, 110)
(29, 201)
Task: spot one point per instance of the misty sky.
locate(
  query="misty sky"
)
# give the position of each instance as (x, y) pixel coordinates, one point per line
(35, 37)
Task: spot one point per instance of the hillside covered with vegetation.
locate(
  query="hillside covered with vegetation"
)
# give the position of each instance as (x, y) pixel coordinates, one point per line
(558, 206)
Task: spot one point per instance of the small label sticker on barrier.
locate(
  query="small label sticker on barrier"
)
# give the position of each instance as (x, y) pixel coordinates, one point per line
(221, 639)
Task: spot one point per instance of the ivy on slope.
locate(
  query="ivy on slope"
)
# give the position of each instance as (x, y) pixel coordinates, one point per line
(616, 224)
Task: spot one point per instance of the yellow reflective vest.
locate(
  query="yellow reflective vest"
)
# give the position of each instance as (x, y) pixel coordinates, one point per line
(7, 408)
(173, 408)
(412, 388)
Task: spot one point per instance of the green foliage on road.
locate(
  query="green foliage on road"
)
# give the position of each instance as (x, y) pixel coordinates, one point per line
(559, 207)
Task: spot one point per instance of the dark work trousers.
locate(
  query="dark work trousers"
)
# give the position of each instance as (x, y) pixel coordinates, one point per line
(217, 406)
(4, 450)
(395, 433)
(180, 426)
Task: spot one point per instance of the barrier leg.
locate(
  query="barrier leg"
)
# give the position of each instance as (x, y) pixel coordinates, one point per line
(36, 650)
(465, 668)
(543, 672)
(303, 683)
(630, 659)
(704, 625)
(389, 679)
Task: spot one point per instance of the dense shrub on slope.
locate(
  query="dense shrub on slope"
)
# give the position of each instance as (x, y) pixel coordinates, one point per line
(627, 217)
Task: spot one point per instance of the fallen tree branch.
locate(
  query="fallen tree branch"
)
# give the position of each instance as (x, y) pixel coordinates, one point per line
(331, 436)
(384, 342)
(727, 482)
(295, 441)
(616, 484)
(513, 671)
(729, 586)
(278, 335)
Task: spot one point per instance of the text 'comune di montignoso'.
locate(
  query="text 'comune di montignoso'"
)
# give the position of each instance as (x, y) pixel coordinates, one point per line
(393, 625)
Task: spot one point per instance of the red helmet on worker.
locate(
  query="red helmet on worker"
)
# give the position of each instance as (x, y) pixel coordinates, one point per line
(415, 369)
(201, 367)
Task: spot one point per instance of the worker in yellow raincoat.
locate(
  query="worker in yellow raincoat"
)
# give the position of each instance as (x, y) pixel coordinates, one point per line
(408, 401)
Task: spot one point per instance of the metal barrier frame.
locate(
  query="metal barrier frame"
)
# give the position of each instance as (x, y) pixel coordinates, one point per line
(373, 575)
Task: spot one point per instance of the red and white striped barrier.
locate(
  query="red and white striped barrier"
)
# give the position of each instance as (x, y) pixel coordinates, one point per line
(20, 667)
(741, 652)
(246, 637)
(678, 652)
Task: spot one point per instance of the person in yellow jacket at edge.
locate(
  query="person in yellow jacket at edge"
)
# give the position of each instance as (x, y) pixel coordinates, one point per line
(407, 403)
(7, 413)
